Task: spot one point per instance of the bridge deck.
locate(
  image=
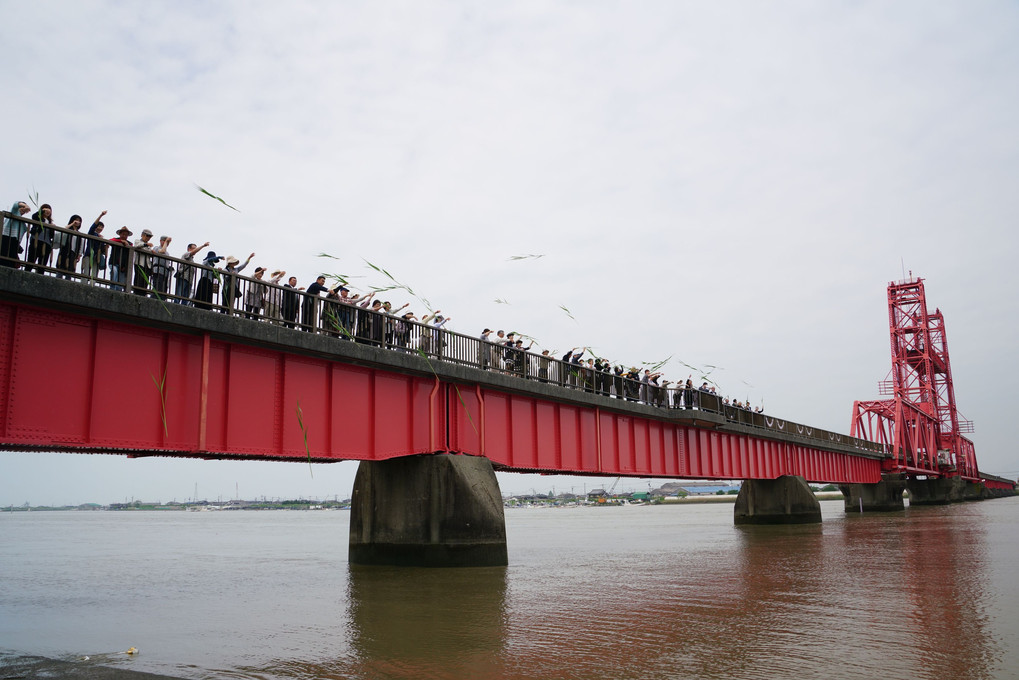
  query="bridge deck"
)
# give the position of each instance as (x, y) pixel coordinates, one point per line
(87, 369)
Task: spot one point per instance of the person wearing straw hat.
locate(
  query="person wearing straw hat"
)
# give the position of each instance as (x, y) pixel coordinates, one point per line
(233, 286)
(119, 258)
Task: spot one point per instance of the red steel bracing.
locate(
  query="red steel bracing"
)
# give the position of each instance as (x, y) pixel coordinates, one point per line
(920, 424)
(81, 384)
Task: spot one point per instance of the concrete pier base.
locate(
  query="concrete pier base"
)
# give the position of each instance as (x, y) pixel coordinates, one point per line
(427, 511)
(944, 490)
(885, 496)
(786, 500)
(936, 491)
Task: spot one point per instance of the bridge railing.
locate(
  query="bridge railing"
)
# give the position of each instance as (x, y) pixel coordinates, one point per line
(94, 260)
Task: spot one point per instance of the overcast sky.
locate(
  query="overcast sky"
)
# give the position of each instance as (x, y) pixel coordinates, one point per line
(725, 183)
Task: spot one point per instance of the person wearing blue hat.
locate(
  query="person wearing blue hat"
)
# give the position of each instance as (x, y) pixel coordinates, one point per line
(207, 281)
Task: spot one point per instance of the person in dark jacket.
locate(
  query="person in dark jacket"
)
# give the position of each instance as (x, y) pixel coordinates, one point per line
(310, 305)
(40, 243)
(208, 279)
(289, 306)
(70, 247)
(95, 250)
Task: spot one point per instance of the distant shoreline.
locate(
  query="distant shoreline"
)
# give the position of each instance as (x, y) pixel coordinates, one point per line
(731, 498)
(344, 505)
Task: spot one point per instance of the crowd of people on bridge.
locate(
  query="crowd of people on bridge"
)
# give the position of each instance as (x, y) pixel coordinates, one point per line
(145, 266)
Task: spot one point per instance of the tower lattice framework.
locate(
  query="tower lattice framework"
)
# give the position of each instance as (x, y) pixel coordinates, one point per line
(920, 424)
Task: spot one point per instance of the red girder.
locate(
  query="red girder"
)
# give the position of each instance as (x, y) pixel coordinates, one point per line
(82, 384)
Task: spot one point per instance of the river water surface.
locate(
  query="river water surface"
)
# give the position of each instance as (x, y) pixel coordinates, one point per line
(625, 592)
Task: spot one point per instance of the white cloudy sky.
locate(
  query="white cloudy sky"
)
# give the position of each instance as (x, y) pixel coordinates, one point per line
(728, 183)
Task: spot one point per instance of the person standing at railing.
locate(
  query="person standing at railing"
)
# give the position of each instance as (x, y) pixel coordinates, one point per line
(603, 376)
(161, 267)
(509, 355)
(254, 296)
(331, 312)
(483, 353)
(232, 290)
(571, 361)
(364, 319)
(274, 296)
(495, 351)
(390, 314)
(14, 231)
(94, 252)
(347, 311)
(310, 304)
(522, 357)
(208, 281)
(438, 334)
(69, 246)
(401, 331)
(373, 323)
(185, 274)
(631, 384)
(544, 361)
(432, 338)
(119, 256)
(40, 243)
(289, 305)
(143, 263)
(655, 391)
(587, 374)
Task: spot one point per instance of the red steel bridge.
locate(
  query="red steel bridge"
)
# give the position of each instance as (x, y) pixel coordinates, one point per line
(89, 370)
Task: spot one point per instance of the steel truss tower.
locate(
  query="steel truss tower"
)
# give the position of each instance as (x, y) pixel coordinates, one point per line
(920, 424)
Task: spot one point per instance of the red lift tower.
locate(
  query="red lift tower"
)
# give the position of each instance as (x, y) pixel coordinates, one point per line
(919, 425)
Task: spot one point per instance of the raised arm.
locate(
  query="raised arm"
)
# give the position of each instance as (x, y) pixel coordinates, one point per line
(96, 220)
(192, 251)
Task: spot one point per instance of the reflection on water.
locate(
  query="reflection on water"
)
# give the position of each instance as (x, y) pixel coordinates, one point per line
(436, 623)
(949, 614)
(648, 592)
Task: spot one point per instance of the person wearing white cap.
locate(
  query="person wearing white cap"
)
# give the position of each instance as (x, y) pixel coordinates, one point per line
(161, 267)
(143, 263)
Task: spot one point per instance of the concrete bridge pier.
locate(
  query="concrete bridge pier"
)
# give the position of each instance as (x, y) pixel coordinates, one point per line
(436, 510)
(885, 496)
(937, 490)
(786, 500)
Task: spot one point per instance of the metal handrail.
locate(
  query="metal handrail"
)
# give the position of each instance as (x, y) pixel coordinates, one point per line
(219, 290)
